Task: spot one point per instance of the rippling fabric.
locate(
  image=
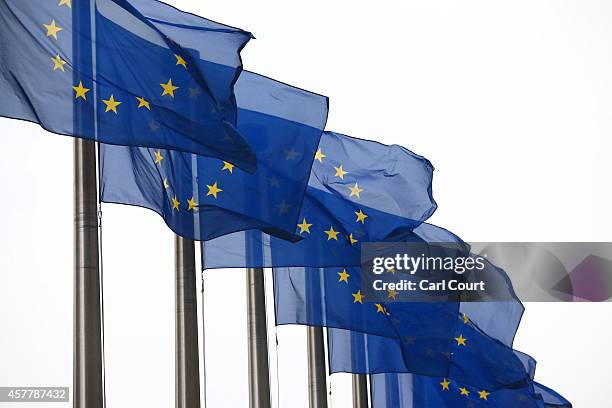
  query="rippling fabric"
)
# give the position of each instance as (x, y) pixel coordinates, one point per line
(136, 73)
(200, 197)
(359, 191)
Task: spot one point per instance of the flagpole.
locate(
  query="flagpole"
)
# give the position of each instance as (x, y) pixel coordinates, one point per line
(360, 391)
(317, 385)
(187, 375)
(259, 381)
(87, 346)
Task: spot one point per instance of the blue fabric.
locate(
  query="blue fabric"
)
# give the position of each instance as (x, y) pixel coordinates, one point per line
(414, 391)
(283, 123)
(484, 359)
(480, 367)
(551, 398)
(389, 185)
(47, 48)
(482, 362)
(420, 333)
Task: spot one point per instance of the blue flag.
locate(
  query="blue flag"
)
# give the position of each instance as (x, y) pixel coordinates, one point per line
(481, 357)
(424, 335)
(200, 197)
(137, 73)
(414, 391)
(474, 359)
(358, 191)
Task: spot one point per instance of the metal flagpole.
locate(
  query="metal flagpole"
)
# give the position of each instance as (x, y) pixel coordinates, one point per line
(187, 375)
(317, 385)
(259, 381)
(360, 391)
(87, 351)
(88, 388)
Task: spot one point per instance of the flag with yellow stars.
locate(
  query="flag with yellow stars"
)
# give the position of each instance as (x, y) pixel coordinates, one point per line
(135, 73)
(471, 357)
(201, 197)
(338, 297)
(481, 357)
(395, 390)
(359, 191)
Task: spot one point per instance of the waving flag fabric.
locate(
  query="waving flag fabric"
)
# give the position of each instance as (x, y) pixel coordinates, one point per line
(200, 197)
(333, 298)
(137, 73)
(474, 359)
(414, 391)
(481, 357)
(358, 191)
(429, 338)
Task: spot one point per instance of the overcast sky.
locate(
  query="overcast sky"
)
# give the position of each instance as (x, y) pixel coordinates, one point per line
(511, 102)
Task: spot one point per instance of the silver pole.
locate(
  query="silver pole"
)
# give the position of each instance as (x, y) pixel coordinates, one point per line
(204, 378)
(87, 346)
(317, 384)
(259, 381)
(360, 391)
(187, 375)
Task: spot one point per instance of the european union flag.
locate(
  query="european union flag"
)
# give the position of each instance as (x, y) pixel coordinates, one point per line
(414, 391)
(358, 191)
(333, 298)
(473, 359)
(481, 350)
(137, 73)
(201, 197)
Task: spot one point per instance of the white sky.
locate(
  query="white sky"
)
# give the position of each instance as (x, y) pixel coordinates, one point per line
(511, 101)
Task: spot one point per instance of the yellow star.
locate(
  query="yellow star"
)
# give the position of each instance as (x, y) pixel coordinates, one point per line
(483, 394)
(391, 270)
(228, 166)
(358, 297)
(180, 61)
(213, 190)
(355, 190)
(343, 276)
(360, 216)
(175, 203)
(445, 385)
(466, 319)
(81, 91)
(52, 29)
(460, 340)
(319, 156)
(65, 3)
(158, 157)
(464, 391)
(392, 294)
(58, 63)
(166, 185)
(169, 88)
(331, 234)
(191, 204)
(111, 104)
(380, 308)
(143, 103)
(352, 240)
(340, 172)
(304, 226)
